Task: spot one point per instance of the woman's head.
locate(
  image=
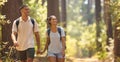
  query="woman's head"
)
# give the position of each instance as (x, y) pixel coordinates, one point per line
(52, 20)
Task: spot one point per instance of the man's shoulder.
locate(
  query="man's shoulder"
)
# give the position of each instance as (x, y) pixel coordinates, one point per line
(17, 19)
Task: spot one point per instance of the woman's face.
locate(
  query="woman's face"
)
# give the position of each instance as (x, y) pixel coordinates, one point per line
(53, 20)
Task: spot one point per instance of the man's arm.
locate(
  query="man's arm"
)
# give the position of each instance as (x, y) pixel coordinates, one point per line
(37, 36)
(13, 36)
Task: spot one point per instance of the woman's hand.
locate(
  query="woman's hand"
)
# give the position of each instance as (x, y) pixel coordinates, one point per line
(42, 52)
(63, 53)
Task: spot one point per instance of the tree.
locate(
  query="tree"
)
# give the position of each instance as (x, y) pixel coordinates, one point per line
(98, 19)
(53, 8)
(115, 17)
(89, 7)
(63, 12)
(10, 10)
(107, 19)
(116, 42)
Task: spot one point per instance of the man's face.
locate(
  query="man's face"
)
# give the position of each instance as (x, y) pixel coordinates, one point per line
(25, 10)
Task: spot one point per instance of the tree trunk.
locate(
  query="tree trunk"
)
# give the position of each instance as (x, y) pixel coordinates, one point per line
(117, 41)
(98, 19)
(11, 10)
(53, 8)
(89, 7)
(63, 13)
(107, 18)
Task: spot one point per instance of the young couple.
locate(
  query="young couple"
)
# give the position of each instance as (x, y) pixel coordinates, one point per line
(22, 35)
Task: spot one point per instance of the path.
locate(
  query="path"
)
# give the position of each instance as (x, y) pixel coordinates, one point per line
(43, 59)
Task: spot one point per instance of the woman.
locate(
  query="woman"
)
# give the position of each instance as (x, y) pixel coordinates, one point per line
(55, 44)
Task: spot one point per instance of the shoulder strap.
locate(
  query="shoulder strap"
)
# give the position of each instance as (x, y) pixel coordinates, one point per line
(48, 31)
(17, 22)
(58, 28)
(33, 22)
(59, 31)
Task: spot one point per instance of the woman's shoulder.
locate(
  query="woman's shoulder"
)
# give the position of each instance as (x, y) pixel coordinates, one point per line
(61, 28)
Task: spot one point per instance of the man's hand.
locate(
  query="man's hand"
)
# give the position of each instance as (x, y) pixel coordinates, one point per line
(38, 51)
(16, 44)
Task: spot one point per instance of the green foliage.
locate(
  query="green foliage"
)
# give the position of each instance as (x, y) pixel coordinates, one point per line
(5, 54)
(117, 59)
(2, 2)
(76, 9)
(73, 11)
(82, 37)
(115, 11)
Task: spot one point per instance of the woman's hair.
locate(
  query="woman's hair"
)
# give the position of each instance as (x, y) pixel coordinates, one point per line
(49, 19)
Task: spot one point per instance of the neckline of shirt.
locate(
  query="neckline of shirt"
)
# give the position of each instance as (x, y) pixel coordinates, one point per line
(25, 21)
(54, 32)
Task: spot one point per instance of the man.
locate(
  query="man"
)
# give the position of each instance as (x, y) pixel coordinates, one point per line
(23, 29)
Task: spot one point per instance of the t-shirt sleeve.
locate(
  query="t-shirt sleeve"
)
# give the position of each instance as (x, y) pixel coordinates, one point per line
(14, 27)
(36, 28)
(62, 32)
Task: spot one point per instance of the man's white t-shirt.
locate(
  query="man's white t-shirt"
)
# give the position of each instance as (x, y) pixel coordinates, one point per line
(55, 45)
(25, 32)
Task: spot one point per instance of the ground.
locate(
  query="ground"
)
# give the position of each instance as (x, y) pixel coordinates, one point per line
(44, 59)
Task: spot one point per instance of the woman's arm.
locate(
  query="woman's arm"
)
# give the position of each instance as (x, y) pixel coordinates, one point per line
(63, 43)
(63, 46)
(47, 43)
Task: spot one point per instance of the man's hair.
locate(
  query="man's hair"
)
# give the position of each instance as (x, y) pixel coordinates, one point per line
(22, 6)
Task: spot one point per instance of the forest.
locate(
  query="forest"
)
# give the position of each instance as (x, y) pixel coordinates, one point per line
(92, 28)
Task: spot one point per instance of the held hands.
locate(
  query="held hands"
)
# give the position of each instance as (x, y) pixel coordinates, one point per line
(40, 52)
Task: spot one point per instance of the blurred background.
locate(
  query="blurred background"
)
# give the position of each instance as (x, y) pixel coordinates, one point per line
(92, 27)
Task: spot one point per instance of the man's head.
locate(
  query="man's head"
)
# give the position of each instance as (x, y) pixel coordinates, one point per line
(24, 10)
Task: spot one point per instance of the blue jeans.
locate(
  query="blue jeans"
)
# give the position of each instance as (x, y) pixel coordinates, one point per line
(57, 55)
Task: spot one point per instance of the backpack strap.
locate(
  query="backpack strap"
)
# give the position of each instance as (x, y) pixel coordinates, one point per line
(59, 31)
(58, 28)
(17, 23)
(48, 32)
(33, 22)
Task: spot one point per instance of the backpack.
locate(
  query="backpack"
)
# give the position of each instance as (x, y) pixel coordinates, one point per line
(59, 31)
(17, 22)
